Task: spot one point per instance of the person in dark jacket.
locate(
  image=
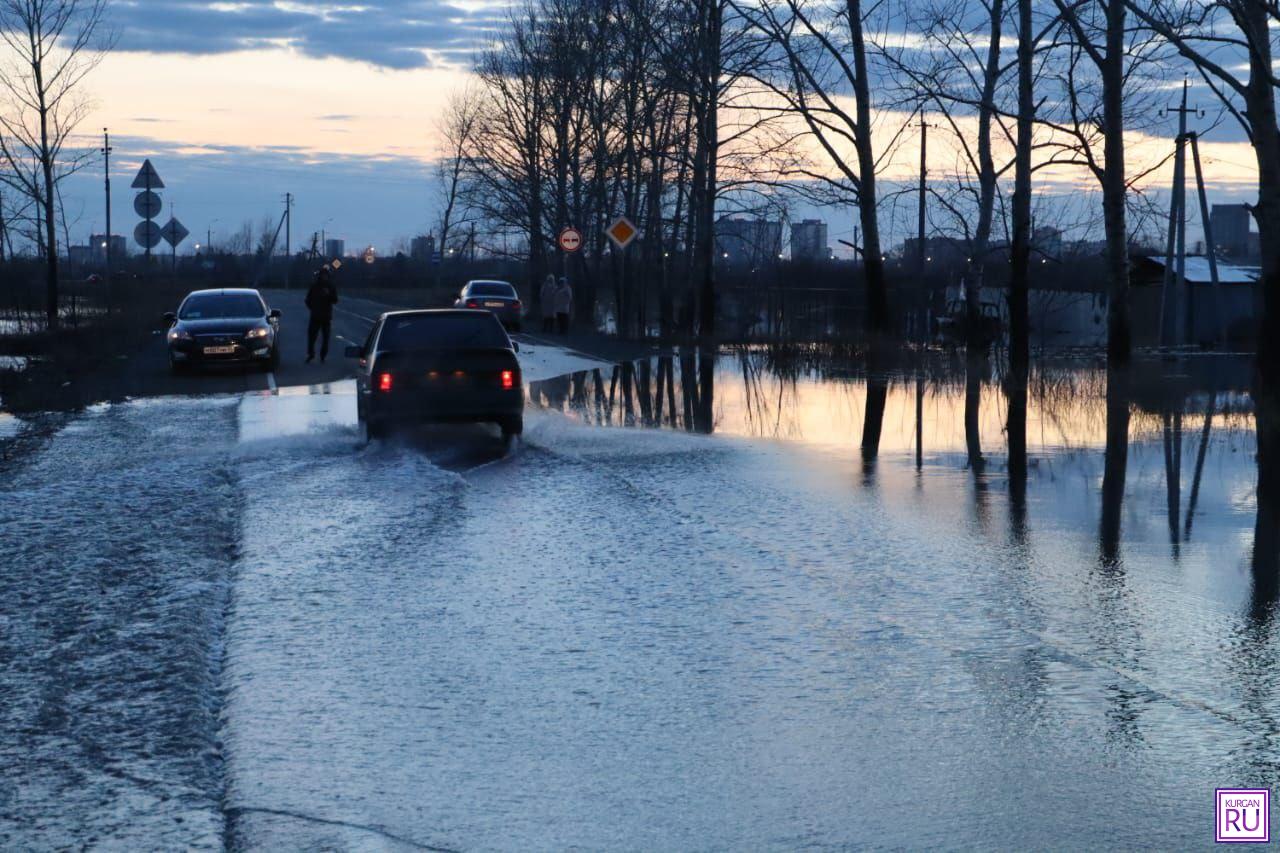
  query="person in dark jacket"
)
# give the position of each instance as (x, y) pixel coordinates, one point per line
(320, 301)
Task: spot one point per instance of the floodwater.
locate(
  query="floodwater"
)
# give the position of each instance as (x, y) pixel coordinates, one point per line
(750, 601)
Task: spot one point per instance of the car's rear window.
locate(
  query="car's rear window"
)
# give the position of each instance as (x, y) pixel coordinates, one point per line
(418, 332)
(492, 288)
(221, 306)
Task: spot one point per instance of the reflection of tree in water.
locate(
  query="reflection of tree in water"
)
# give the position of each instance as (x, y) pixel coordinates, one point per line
(640, 393)
(1115, 465)
(1015, 390)
(1266, 529)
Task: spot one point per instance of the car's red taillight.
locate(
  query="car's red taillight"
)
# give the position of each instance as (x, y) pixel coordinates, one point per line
(471, 303)
(508, 380)
(384, 382)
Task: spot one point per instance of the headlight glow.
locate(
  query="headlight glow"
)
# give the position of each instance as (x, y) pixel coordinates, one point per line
(260, 332)
(179, 335)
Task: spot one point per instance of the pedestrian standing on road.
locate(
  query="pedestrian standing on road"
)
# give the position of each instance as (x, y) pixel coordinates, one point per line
(547, 301)
(564, 306)
(320, 301)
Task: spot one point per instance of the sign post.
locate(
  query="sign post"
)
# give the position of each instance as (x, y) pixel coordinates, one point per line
(173, 233)
(147, 204)
(569, 241)
(621, 232)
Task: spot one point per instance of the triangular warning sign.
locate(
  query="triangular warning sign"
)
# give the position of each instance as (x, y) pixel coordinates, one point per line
(147, 178)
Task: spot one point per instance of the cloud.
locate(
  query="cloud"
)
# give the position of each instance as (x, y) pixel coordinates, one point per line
(395, 34)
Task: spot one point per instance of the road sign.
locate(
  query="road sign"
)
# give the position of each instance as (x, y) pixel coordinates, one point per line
(570, 239)
(147, 234)
(147, 205)
(147, 178)
(436, 257)
(174, 232)
(621, 232)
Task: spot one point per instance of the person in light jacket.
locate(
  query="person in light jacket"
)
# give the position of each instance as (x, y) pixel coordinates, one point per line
(564, 306)
(547, 301)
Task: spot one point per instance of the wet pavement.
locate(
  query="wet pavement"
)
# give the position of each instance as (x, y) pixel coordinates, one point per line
(232, 623)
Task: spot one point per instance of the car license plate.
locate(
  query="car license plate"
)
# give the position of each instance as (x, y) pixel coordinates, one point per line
(219, 350)
(495, 305)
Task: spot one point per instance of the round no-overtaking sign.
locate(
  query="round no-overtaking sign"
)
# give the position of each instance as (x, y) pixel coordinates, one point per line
(570, 239)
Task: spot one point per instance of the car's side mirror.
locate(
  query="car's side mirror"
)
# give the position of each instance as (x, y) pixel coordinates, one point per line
(170, 317)
(274, 314)
(354, 352)
(515, 345)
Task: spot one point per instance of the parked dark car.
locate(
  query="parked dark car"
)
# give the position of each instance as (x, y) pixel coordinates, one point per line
(438, 366)
(499, 297)
(229, 326)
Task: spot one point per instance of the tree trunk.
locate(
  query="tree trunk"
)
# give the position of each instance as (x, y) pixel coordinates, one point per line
(986, 186)
(873, 266)
(1260, 108)
(1119, 337)
(1020, 251)
(711, 139)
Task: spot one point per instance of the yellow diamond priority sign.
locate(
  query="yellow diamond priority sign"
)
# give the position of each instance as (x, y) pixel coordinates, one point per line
(621, 232)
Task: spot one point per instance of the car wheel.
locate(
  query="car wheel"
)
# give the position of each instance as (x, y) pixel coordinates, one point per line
(177, 368)
(512, 426)
(374, 430)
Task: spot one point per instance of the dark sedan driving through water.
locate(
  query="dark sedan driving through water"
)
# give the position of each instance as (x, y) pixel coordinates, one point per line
(438, 366)
(228, 326)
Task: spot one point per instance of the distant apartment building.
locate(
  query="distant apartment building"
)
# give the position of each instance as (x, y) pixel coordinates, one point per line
(334, 248)
(422, 248)
(748, 242)
(94, 253)
(1047, 240)
(939, 252)
(1230, 225)
(809, 241)
(98, 244)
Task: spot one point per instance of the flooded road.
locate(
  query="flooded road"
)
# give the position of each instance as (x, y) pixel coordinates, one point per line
(231, 623)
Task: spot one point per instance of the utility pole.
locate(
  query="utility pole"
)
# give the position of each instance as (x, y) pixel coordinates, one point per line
(288, 242)
(924, 171)
(1210, 251)
(1174, 311)
(106, 170)
(4, 234)
(919, 318)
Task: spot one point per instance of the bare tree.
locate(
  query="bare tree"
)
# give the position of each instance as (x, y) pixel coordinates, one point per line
(52, 45)
(1020, 244)
(457, 128)
(1101, 66)
(824, 53)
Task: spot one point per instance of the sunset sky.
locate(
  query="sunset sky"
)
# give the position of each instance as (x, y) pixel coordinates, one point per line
(238, 103)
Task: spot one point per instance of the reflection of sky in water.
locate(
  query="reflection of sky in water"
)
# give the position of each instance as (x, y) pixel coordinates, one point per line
(1183, 505)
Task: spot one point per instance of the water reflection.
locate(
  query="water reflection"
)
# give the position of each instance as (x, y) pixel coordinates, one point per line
(1125, 524)
(1266, 539)
(1065, 419)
